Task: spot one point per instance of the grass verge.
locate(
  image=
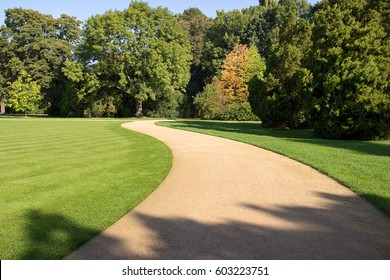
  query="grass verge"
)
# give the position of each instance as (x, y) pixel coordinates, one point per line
(64, 181)
(363, 166)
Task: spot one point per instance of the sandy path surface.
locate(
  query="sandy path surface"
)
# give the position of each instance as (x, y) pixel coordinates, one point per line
(228, 200)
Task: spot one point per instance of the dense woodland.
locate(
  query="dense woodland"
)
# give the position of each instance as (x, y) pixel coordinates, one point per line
(286, 63)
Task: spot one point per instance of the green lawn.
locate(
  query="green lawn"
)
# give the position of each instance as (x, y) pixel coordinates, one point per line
(64, 181)
(364, 166)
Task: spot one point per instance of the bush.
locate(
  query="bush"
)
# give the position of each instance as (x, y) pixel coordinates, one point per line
(166, 107)
(101, 109)
(237, 112)
(210, 102)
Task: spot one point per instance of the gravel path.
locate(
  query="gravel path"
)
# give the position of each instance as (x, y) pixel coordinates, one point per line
(228, 200)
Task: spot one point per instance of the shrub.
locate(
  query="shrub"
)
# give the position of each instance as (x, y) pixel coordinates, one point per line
(210, 102)
(237, 112)
(166, 107)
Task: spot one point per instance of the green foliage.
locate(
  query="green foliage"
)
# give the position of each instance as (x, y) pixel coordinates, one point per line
(142, 52)
(104, 108)
(268, 3)
(39, 45)
(24, 94)
(213, 104)
(237, 112)
(327, 66)
(196, 25)
(210, 102)
(350, 62)
(166, 107)
(222, 37)
(278, 100)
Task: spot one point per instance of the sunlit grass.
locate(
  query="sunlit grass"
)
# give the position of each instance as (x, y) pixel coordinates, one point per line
(64, 181)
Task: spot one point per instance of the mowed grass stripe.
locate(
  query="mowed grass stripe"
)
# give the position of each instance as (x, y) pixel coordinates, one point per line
(64, 181)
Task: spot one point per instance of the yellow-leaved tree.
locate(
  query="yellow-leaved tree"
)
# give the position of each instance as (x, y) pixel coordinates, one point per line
(226, 97)
(239, 67)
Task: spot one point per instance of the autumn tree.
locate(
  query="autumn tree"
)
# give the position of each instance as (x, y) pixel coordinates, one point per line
(226, 97)
(239, 67)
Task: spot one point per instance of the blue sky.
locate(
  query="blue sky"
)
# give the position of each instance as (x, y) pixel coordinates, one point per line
(83, 9)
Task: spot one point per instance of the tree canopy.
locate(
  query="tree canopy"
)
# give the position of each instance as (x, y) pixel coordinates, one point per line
(39, 45)
(141, 51)
(326, 67)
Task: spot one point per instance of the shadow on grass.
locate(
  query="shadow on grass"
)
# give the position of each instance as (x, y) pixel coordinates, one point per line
(344, 227)
(52, 236)
(296, 135)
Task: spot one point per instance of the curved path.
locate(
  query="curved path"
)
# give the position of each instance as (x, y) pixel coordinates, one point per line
(228, 200)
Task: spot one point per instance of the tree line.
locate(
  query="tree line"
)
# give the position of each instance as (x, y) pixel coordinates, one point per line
(286, 63)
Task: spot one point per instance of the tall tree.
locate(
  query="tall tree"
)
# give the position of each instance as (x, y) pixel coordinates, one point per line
(268, 3)
(226, 32)
(196, 25)
(350, 62)
(278, 100)
(39, 45)
(141, 51)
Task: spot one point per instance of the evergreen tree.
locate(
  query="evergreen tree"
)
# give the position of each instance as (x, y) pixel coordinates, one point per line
(196, 25)
(278, 100)
(350, 62)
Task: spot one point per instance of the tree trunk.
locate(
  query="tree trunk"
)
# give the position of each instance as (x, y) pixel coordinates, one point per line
(138, 110)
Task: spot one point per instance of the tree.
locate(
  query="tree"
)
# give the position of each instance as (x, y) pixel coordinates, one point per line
(24, 94)
(226, 98)
(268, 3)
(239, 67)
(40, 45)
(196, 25)
(141, 52)
(278, 100)
(350, 62)
(226, 32)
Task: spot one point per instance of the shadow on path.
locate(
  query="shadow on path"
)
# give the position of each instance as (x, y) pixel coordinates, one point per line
(341, 230)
